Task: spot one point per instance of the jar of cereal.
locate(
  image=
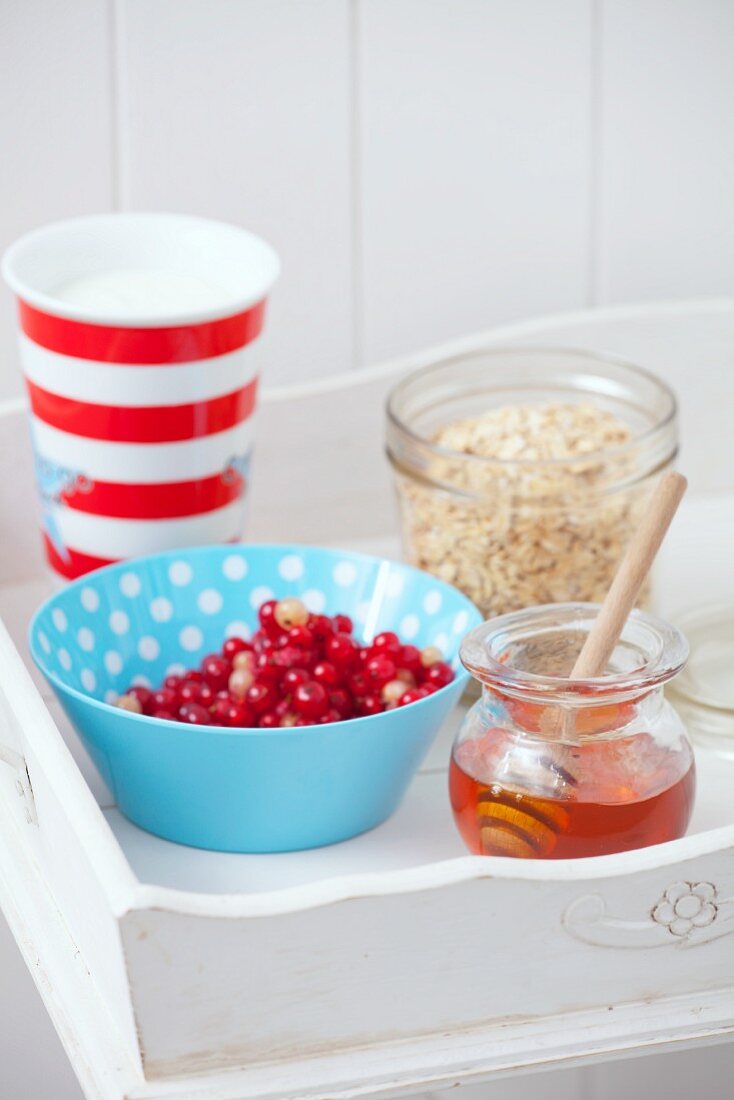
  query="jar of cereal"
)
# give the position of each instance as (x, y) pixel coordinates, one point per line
(521, 472)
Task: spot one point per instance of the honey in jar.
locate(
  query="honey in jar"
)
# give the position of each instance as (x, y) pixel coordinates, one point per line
(553, 768)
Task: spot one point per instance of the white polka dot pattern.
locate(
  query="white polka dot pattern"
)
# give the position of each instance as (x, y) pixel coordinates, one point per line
(180, 573)
(113, 662)
(139, 623)
(395, 585)
(314, 600)
(191, 639)
(161, 609)
(89, 600)
(130, 585)
(432, 602)
(148, 647)
(234, 567)
(119, 622)
(409, 627)
(260, 595)
(361, 611)
(345, 573)
(461, 622)
(210, 601)
(291, 567)
(238, 629)
(88, 679)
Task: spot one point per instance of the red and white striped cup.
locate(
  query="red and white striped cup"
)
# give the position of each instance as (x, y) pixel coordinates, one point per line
(135, 333)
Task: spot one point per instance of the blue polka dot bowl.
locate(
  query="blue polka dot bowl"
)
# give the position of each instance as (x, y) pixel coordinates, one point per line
(242, 790)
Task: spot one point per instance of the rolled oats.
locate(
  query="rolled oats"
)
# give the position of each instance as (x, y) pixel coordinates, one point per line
(514, 512)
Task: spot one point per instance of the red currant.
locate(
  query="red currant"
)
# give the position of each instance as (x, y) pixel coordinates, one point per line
(269, 721)
(341, 650)
(310, 700)
(143, 695)
(216, 671)
(293, 678)
(388, 642)
(358, 685)
(331, 715)
(194, 714)
(189, 692)
(262, 642)
(173, 682)
(371, 704)
(206, 695)
(409, 658)
(164, 699)
(219, 709)
(238, 714)
(261, 698)
(320, 626)
(341, 701)
(166, 715)
(342, 624)
(193, 676)
(233, 646)
(290, 656)
(412, 695)
(301, 636)
(325, 673)
(268, 622)
(439, 674)
(266, 671)
(379, 670)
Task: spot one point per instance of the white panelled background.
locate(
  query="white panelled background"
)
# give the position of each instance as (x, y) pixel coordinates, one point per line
(425, 168)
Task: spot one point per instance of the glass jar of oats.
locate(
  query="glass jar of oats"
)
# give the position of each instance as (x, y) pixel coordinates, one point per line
(522, 471)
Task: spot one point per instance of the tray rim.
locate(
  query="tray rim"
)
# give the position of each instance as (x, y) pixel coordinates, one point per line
(126, 892)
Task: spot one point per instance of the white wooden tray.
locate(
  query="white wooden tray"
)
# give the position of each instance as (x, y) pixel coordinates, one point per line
(394, 961)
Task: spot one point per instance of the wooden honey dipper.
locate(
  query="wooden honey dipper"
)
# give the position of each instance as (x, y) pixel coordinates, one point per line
(525, 826)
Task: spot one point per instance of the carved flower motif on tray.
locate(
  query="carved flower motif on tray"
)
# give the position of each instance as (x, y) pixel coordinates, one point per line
(688, 914)
(685, 906)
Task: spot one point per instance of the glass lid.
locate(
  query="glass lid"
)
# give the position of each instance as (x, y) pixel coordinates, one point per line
(709, 677)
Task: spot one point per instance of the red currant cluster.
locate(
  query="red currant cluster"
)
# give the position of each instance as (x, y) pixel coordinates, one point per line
(298, 670)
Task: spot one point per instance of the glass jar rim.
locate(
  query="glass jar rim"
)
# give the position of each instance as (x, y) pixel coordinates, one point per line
(484, 461)
(665, 649)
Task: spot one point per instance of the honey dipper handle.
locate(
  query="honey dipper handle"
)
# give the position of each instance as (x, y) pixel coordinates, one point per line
(629, 578)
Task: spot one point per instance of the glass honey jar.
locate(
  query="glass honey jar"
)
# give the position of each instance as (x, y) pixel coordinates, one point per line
(547, 767)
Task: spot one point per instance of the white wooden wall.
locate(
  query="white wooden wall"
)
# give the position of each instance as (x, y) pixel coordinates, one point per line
(425, 167)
